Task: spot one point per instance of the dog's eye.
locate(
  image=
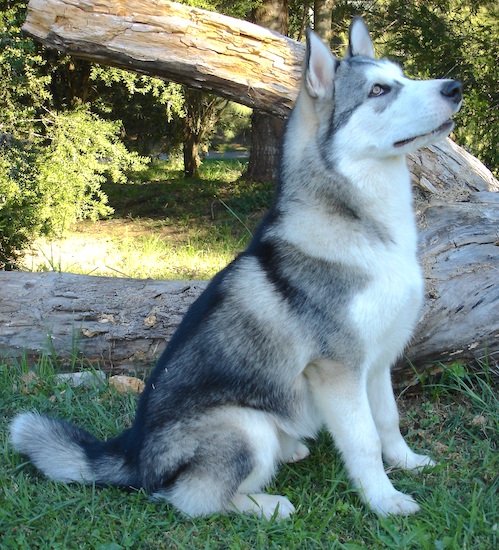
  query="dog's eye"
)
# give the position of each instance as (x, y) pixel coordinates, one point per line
(378, 90)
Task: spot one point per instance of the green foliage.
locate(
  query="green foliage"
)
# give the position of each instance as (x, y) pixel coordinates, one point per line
(24, 87)
(83, 153)
(23, 91)
(44, 188)
(52, 164)
(234, 122)
(165, 226)
(19, 200)
(151, 110)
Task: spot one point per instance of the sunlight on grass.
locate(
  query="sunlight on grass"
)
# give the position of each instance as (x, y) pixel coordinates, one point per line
(142, 256)
(164, 227)
(152, 256)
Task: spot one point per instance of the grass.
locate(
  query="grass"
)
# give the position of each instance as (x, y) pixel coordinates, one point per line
(456, 420)
(164, 226)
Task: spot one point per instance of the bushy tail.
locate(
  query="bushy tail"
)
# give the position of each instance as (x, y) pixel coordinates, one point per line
(67, 453)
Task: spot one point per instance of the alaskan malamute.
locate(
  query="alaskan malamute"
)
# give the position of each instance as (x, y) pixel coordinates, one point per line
(301, 329)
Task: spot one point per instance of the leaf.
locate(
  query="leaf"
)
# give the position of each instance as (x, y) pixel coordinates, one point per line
(123, 384)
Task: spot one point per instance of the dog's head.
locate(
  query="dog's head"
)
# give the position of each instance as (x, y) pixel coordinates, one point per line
(367, 106)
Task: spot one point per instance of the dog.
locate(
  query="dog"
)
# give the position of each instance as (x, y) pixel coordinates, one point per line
(300, 330)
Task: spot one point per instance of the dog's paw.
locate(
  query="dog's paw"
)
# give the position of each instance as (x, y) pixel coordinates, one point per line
(300, 452)
(397, 503)
(411, 461)
(277, 505)
(419, 462)
(267, 506)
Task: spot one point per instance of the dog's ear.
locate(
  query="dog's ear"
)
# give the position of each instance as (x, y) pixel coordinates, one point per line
(320, 66)
(359, 42)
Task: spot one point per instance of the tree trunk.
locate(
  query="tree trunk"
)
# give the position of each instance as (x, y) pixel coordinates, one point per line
(190, 149)
(267, 129)
(202, 112)
(192, 131)
(455, 199)
(323, 18)
(266, 135)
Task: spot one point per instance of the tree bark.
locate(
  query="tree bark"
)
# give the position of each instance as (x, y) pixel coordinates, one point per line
(267, 129)
(204, 50)
(201, 113)
(114, 319)
(266, 134)
(323, 18)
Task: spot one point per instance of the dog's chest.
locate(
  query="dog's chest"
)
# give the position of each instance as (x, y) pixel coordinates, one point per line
(386, 310)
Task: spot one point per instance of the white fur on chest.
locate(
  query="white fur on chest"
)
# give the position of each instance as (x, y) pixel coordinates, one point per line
(385, 311)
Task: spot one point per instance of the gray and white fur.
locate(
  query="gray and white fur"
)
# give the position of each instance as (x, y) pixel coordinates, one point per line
(300, 330)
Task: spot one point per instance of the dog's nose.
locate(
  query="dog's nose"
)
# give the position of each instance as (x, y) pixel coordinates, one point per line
(453, 90)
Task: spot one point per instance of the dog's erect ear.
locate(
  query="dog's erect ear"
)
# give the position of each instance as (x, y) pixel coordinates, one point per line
(320, 66)
(359, 42)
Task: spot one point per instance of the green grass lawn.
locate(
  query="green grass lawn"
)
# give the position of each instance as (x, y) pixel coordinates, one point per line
(456, 420)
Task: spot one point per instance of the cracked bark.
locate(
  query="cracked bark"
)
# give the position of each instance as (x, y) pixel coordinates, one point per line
(203, 50)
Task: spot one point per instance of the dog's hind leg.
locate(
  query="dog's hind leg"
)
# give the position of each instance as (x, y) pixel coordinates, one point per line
(340, 393)
(267, 451)
(233, 461)
(395, 450)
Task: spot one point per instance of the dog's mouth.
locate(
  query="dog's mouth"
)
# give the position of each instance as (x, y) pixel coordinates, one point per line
(444, 128)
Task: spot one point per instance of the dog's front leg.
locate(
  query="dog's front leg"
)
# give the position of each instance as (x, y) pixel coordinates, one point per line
(395, 450)
(340, 393)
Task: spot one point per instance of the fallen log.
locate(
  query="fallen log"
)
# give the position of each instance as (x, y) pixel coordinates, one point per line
(123, 323)
(235, 59)
(459, 251)
(119, 324)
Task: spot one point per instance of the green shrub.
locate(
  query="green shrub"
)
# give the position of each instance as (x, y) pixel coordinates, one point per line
(84, 151)
(46, 187)
(52, 163)
(19, 201)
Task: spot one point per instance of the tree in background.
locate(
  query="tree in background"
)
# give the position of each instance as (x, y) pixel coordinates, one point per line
(323, 18)
(267, 130)
(202, 111)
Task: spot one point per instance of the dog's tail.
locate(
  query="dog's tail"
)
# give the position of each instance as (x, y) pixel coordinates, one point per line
(67, 453)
